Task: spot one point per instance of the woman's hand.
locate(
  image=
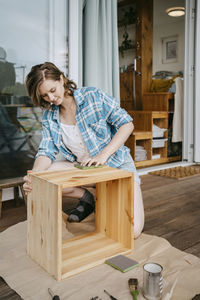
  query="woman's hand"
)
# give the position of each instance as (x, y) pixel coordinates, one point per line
(98, 160)
(41, 163)
(27, 184)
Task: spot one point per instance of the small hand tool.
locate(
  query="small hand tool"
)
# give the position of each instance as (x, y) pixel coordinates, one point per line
(87, 167)
(111, 297)
(54, 297)
(133, 286)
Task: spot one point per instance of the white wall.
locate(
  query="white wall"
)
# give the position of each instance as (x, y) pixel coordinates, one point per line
(164, 27)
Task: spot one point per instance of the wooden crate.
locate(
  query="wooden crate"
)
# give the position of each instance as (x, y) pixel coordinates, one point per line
(113, 218)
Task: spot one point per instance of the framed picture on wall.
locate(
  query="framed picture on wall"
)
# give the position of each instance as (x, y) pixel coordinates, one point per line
(170, 49)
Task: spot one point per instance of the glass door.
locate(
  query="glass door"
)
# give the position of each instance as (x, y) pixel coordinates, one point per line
(31, 32)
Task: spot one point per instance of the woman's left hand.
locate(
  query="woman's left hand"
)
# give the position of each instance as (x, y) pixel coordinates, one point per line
(98, 160)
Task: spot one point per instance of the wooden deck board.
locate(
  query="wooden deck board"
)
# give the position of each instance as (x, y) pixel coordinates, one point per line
(172, 210)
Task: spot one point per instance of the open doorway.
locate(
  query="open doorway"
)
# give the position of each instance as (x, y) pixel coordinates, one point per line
(151, 59)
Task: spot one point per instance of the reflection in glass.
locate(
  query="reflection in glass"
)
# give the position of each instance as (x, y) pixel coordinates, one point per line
(32, 32)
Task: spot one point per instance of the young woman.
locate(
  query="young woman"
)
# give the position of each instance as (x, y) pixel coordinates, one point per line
(87, 126)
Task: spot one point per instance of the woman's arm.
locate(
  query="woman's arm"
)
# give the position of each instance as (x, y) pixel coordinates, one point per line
(41, 163)
(117, 141)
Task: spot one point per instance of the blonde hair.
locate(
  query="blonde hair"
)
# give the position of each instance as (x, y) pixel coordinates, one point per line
(38, 74)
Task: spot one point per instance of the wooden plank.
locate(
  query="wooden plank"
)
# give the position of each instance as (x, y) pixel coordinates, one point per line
(126, 90)
(6, 293)
(11, 182)
(85, 248)
(142, 135)
(142, 120)
(184, 239)
(90, 259)
(77, 177)
(101, 200)
(90, 237)
(126, 212)
(157, 101)
(144, 48)
(171, 212)
(44, 240)
(167, 213)
(114, 207)
(160, 115)
(152, 162)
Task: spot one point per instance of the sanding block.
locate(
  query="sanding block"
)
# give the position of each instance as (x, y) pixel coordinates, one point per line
(87, 167)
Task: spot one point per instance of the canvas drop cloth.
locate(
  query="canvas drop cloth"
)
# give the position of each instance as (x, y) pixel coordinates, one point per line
(181, 271)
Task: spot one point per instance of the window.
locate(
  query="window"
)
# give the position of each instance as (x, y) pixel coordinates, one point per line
(31, 32)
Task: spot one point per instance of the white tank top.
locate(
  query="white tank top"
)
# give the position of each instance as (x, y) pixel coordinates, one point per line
(73, 140)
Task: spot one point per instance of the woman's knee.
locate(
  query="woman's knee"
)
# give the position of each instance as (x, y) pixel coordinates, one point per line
(138, 211)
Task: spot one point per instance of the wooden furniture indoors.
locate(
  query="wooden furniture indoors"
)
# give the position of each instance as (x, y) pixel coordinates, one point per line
(143, 55)
(15, 183)
(144, 49)
(143, 136)
(158, 101)
(113, 220)
(126, 90)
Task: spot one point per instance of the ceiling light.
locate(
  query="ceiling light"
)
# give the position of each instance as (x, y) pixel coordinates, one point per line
(175, 11)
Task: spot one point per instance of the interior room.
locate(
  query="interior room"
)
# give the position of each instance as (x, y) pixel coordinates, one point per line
(150, 98)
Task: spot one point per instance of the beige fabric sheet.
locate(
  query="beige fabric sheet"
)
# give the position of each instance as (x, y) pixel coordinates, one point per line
(181, 271)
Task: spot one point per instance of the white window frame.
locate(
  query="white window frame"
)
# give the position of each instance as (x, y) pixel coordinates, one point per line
(197, 89)
(75, 41)
(188, 108)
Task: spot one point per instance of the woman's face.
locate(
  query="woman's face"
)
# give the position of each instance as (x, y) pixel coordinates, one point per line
(52, 91)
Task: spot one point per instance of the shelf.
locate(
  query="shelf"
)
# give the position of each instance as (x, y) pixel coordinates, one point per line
(79, 254)
(143, 135)
(162, 101)
(152, 162)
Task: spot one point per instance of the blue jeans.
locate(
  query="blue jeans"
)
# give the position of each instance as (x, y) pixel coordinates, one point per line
(130, 166)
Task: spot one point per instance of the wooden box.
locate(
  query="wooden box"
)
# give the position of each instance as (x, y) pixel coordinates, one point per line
(113, 220)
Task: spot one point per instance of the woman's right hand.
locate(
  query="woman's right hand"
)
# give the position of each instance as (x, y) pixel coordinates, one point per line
(27, 185)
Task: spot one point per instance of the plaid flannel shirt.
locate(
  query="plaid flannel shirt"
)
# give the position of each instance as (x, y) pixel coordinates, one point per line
(98, 117)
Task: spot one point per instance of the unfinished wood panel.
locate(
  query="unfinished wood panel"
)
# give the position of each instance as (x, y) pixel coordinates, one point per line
(142, 121)
(159, 161)
(144, 49)
(158, 101)
(44, 233)
(118, 213)
(114, 220)
(100, 207)
(89, 253)
(126, 90)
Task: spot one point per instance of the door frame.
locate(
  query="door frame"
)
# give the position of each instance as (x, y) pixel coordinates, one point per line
(197, 88)
(189, 87)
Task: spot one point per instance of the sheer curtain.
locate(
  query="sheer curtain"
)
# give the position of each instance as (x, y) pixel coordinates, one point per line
(100, 65)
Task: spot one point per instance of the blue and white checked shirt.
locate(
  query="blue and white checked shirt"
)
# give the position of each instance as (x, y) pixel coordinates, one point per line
(98, 117)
